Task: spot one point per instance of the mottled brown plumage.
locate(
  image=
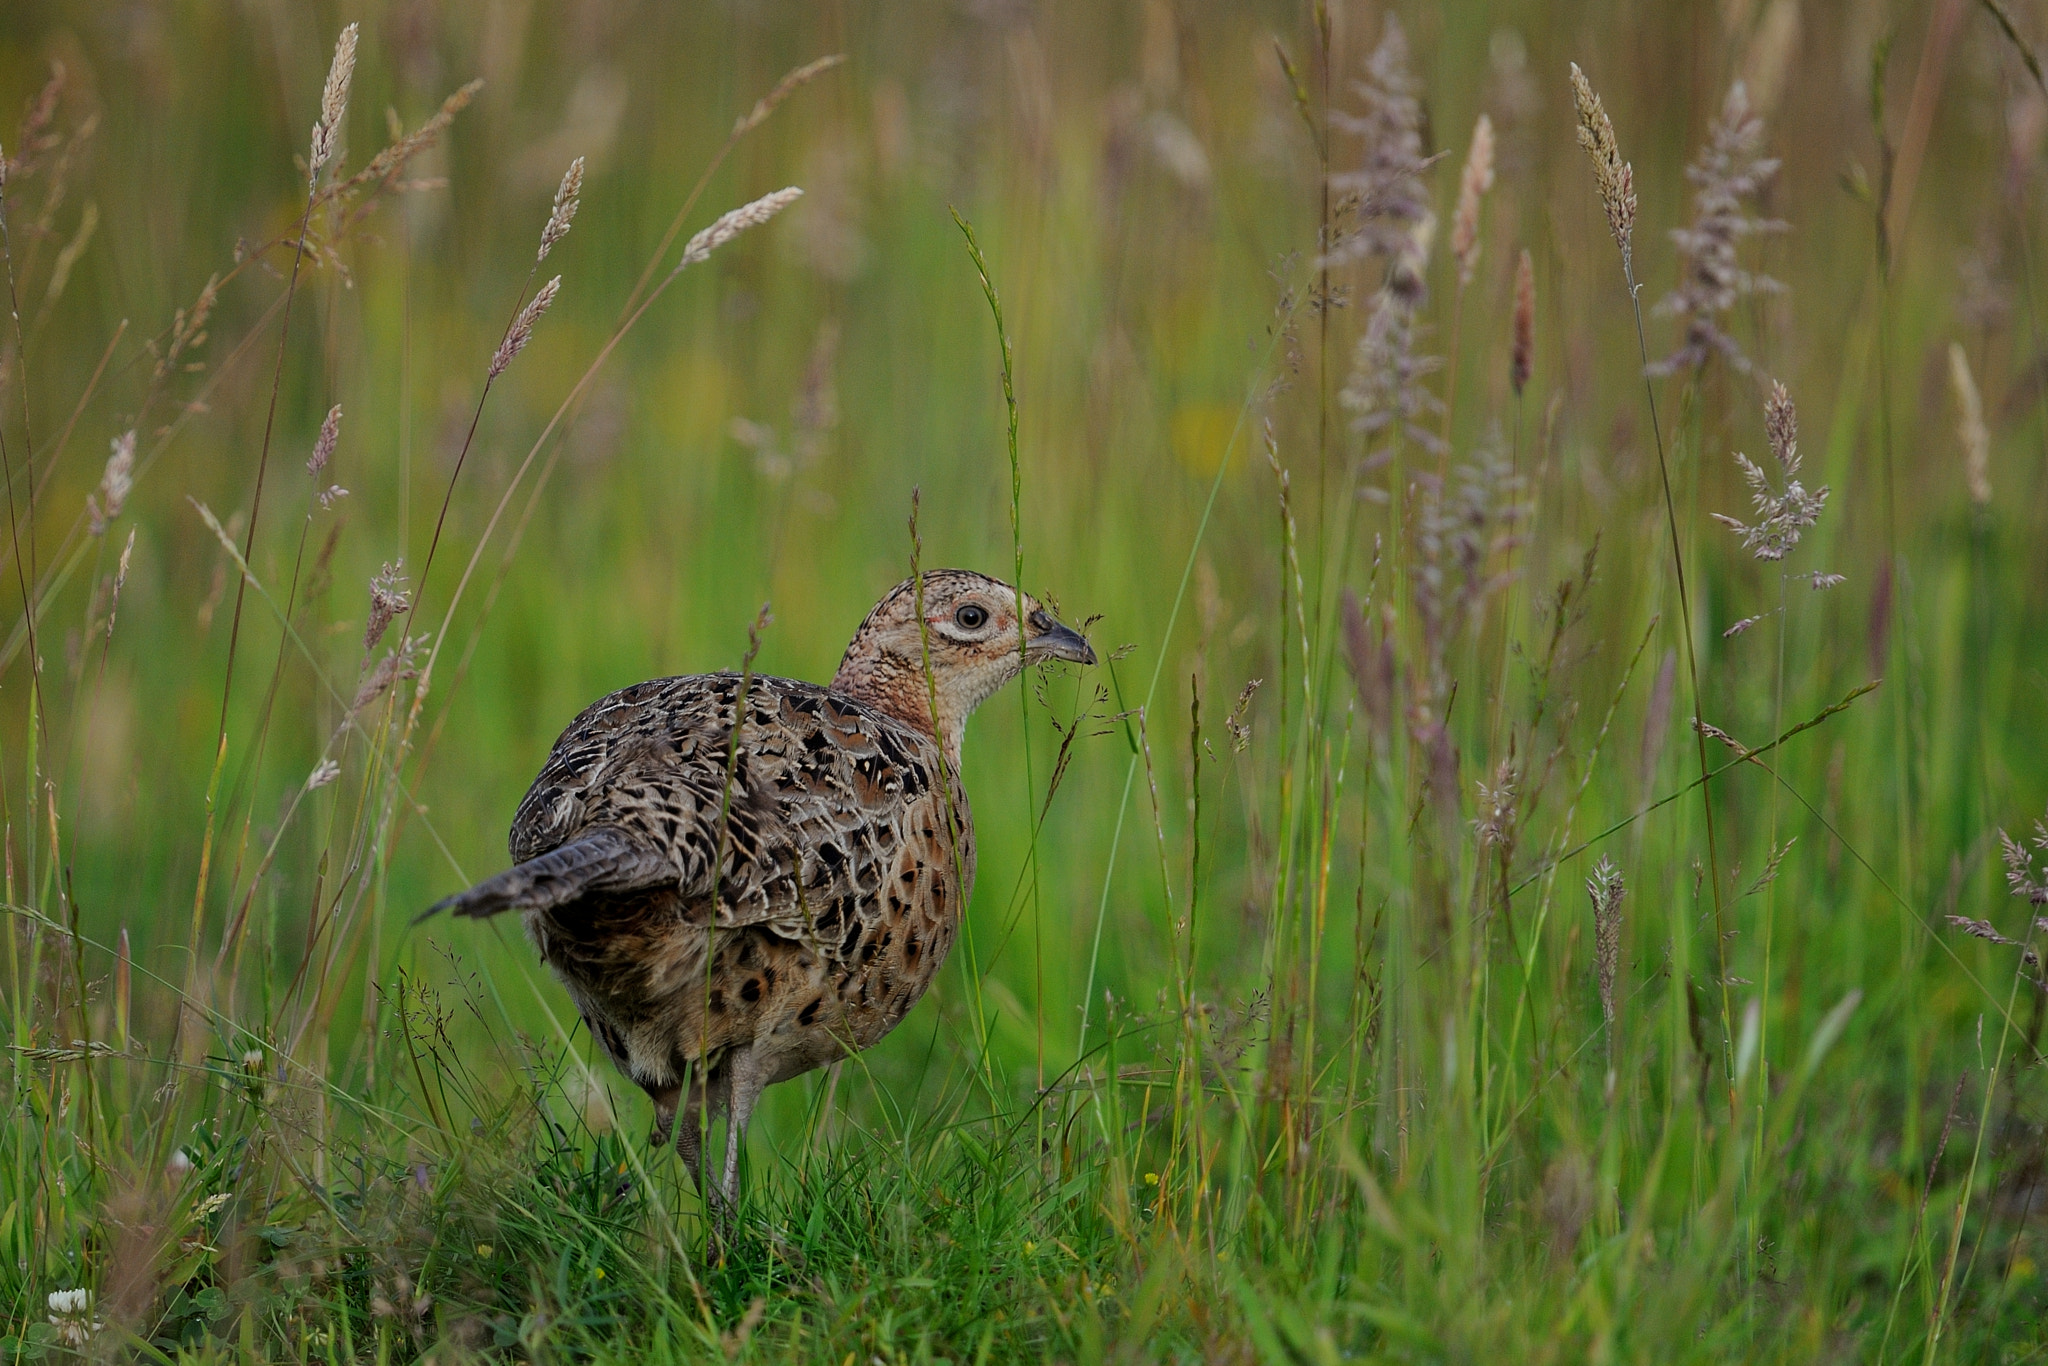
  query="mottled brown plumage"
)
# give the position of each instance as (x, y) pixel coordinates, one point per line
(719, 939)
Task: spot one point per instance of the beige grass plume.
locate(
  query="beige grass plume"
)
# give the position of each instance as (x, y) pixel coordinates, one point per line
(323, 445)
(567, 197)
(1615, 178)
(104, 504)
(1473, 183)
(1970, 429)
(333, 102)
(732, 224)
(521, 331)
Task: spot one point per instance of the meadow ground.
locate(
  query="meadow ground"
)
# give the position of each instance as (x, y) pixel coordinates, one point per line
(1371, 959)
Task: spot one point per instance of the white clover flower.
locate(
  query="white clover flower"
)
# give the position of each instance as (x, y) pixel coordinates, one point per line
(71, 1316)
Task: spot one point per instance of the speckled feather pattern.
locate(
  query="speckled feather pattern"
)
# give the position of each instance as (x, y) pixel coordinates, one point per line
(832, 907)
(740, 879)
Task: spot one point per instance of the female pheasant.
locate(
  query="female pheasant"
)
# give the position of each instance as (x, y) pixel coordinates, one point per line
(719, 936)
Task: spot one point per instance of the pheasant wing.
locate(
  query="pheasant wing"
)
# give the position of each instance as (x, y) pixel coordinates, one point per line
(822, 800)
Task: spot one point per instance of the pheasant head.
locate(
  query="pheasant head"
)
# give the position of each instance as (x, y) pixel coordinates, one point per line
(976, 642)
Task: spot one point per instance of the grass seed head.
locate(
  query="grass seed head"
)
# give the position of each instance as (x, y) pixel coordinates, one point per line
(1614, 178)
(784, 88)
(1385, 192)
(567, 196)
(1781, 426)
(104, 504)
(1606, 890)
(1523, 358)
(333, 102)
(731, 224)
(521, 331)
(1971, 432)
(2028, 885)
(388, 597)
(323, 445)
(1473, 183)
(1369, 651)
(1727, 177)
(1495, 823)
(1782, 517)
(388, 163)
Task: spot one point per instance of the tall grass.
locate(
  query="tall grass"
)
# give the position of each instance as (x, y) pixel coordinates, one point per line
(1282, 1029)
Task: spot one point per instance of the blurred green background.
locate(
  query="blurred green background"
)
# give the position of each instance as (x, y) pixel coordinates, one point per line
(1144, 191)
(1146, 194)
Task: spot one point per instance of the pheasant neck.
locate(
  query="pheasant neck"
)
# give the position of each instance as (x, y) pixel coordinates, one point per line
(897, 686)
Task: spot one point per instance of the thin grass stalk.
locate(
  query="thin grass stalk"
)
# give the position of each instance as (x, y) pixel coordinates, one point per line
(324, 133)
(1914, 1242)
(1693, 678)
(38, 708)
(71, 552)
(1172, 619)
(14, 519)
(53, 456)
(231, 937)
(1291, 1009)
(1188, 1116)
(1763, 1048)
(1523, 1001)
(954, 822)
(1947, 1287)
(1007, 352)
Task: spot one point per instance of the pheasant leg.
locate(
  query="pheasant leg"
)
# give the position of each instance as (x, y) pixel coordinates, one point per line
(745, 1078)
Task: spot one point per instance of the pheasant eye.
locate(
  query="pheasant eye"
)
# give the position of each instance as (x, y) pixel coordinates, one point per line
(971, 617)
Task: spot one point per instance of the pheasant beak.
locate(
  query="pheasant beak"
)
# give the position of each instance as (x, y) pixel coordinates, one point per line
(1054, 641)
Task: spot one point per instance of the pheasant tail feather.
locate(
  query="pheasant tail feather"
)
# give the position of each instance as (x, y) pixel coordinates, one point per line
(600, 860)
